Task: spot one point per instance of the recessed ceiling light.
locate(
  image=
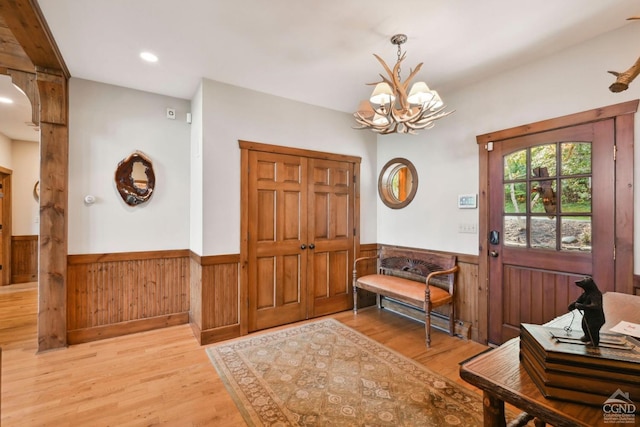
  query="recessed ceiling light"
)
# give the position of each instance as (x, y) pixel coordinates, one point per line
(4, 100)
(149, 57)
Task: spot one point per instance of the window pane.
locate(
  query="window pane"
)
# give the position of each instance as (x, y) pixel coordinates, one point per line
(515, 165)
(576, 195)
(576, 234)
(515, 197)
(543, 197)
(543, 233)
(515, 231)
(543, 160)
(576, 158)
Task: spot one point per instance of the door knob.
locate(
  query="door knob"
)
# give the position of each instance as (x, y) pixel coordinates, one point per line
(312, 246)
(303, 246)
(494, 254)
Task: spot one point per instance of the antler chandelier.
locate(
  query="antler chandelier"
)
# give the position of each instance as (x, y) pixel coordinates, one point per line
(391, 110)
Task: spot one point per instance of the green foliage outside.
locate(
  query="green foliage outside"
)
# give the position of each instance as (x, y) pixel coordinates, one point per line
(575, 181)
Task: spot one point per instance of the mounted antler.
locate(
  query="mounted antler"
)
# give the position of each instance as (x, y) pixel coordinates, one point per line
(624, 79)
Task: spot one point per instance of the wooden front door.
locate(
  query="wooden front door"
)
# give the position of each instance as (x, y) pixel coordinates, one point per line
(299, 224)
(551, 222)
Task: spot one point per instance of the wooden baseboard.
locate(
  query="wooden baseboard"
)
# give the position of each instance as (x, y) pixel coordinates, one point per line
(124, 328)
(214, 335)
(24, 278)
(211, 336)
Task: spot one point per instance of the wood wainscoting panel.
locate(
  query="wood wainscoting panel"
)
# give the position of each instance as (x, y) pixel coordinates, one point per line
(215, 297)
(116, 294)
(24, 259)
(468, 287)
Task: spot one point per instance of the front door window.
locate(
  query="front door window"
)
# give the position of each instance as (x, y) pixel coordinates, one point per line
(547, 197)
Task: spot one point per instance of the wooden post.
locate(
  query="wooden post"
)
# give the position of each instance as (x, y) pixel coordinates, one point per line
(54, 155)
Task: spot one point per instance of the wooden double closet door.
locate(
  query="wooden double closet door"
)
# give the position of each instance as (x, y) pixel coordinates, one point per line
(300, 223)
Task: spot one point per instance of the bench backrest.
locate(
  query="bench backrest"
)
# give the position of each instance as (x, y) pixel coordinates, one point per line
(416, 265)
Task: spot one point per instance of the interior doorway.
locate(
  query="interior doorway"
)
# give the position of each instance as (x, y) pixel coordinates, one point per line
(19, 177)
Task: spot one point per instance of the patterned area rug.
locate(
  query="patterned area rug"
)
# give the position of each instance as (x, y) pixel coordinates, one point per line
(326, 374)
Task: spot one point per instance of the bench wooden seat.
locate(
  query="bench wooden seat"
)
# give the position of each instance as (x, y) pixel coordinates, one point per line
(404, 274)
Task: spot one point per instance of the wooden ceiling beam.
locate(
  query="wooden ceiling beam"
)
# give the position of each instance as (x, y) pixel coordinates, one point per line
(25, 21)
(11, 53)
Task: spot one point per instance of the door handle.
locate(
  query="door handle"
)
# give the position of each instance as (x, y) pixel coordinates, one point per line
(312, 246)
(303, 246)
(494, 254)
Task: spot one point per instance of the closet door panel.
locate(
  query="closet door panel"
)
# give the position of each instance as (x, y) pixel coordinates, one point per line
(277, 256)
(331, 235)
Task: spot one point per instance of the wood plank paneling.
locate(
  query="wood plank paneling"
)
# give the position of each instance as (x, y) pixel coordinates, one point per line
(24, 259)
(215, 297)
(524, 301)
(466, 294)
(143, 291)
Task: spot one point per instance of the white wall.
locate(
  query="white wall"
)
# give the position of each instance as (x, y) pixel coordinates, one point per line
(230, 113)
(197, 184)
(446, 157)
(106, 124)
(25, 213)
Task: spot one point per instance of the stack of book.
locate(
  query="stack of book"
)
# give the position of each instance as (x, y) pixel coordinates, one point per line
(565, 368)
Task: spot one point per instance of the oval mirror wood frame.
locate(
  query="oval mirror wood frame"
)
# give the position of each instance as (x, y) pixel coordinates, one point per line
(388, 174)
(135, 179)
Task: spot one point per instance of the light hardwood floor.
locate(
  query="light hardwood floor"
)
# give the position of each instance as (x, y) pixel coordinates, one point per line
(161, 377)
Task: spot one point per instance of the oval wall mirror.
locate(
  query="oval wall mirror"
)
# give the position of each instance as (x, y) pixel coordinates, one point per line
(135, 179)
(397, 183)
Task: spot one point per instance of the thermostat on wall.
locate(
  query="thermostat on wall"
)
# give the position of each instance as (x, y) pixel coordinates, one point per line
(467, 201)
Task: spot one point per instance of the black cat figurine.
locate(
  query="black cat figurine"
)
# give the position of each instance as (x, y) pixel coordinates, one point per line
(590, 303)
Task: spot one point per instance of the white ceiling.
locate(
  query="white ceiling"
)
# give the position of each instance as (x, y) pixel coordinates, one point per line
(318, 52)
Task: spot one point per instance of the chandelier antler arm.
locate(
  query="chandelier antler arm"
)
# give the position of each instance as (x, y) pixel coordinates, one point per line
(366, 124)
(411, 76)
(394, 81)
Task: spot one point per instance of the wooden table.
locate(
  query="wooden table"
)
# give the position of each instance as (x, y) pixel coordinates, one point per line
(503, 379)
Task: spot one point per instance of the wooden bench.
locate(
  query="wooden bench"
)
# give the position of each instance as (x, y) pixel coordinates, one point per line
(421, 279)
